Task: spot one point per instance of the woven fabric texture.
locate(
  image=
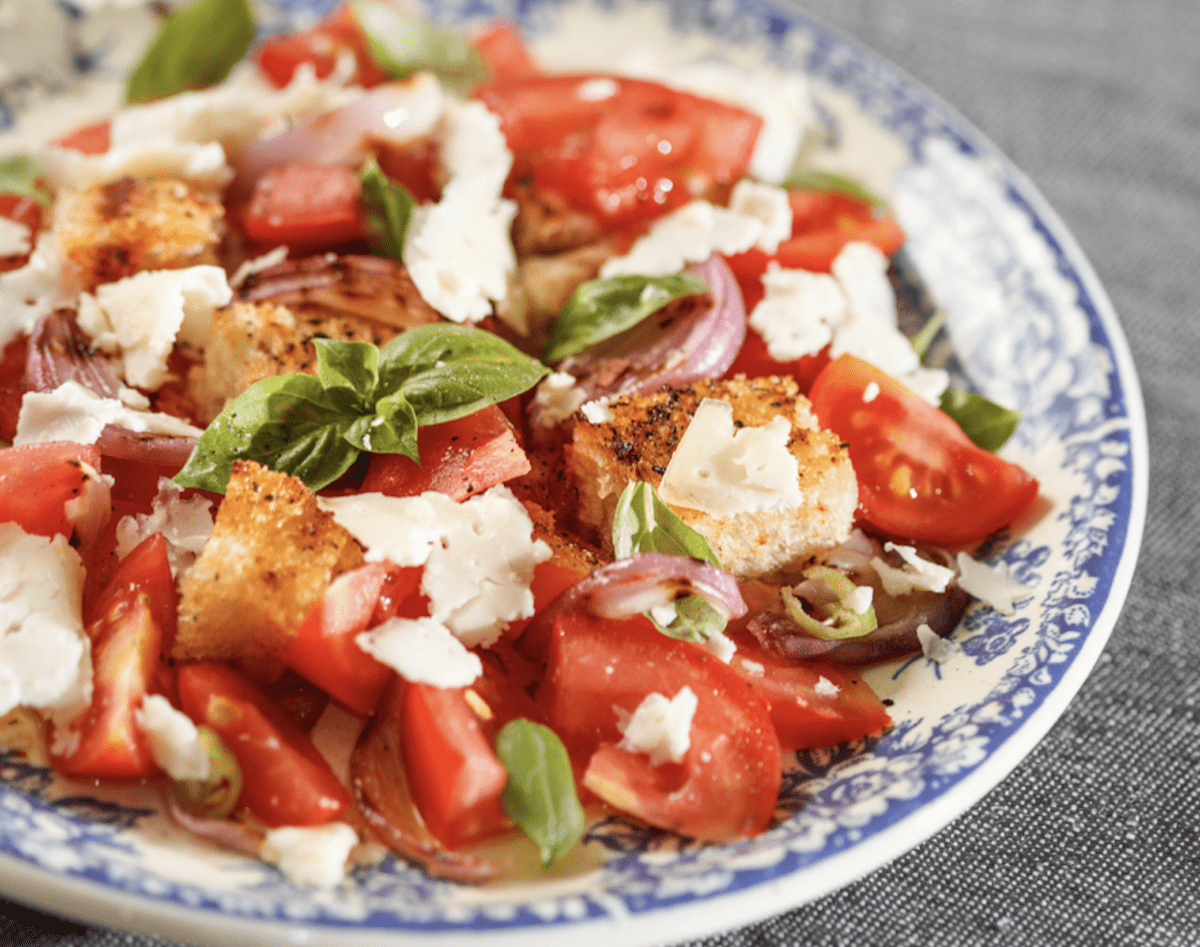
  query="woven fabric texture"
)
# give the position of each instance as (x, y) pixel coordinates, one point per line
(1095, 838)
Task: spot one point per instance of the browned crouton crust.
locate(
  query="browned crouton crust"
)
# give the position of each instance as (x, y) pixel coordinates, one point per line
(547, 223)
(110, 231)
(270, 558)
(640, 440)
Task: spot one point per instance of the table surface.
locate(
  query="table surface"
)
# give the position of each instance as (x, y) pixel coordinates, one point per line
(1095, 838)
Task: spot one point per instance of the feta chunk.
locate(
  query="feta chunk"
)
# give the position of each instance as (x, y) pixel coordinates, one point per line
(765, 203)
(993, 586)
(659, 727)
(423, 651)
(558, 397)
(724, 472)
(479, 555)
(934, 646)
(34, 290)
(142, 316)
(72, 412)
(173, 738)
(184, 524)
(798, 312)
(826, 688)
(45, 656)
(15, 238)
(918, 574)
(314, 856)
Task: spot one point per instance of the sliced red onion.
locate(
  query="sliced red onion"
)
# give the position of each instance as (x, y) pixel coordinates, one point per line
(687, 345)
(165, 450)
(225, 833)
(633, 586)
(59, 351)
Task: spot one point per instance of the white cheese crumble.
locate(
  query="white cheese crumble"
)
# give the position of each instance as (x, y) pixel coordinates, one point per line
(34, 290)
(871, 392)
(826, 688)
(173, 738)
(72, 412)
(45, 656)
(918, 574)
(459, 251)
(16, 238)
(423, 651)
(141, 316)
(479, 555)
(860, 599)
(184, 524)
(314, 856)
(558, 397)
(597, 412)
(934, 646)
(722, 471)
(753, 667)
(721, 646)
(665, 613)
(798, 312)
(993, 586)
(660, 728)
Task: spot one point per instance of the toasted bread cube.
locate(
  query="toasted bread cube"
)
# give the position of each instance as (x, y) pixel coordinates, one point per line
(271, 556)
(110, 231)
(637, 444)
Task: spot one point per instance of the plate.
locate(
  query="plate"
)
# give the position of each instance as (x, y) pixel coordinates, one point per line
(1027, 324)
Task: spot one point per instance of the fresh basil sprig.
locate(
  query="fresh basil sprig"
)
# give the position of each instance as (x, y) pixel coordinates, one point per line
(820, 179)
(18, 175)
(362, 398)
(197, 46)
(388, 207)
(928, 332)
(642, 522)
(602, 308)
(986, 423)
(540, 795)
(403, 43)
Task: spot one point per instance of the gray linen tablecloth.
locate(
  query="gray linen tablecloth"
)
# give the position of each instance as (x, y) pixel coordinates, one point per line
(1095, 838)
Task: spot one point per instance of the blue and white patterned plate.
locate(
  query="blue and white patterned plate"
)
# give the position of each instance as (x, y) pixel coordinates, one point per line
(1028, 325)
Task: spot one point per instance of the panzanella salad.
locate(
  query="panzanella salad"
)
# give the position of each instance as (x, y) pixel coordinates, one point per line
(411, 446)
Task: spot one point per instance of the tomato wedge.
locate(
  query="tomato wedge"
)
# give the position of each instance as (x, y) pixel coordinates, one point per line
(306, 206)
(320, 47)
(727, 783)
(287, 781)
(503, 48)
(38, 480)
(919, 476)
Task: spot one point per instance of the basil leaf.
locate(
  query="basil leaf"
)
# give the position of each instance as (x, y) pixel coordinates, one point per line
(986, 423)
(197, 46)
(389, 208)
(352, 365)
(18, 175)
(642, 522)
(290, 423)
(923, 339)
(401, 43)
(602, 308)
(540, 796)
(695, 620)
(448, 371)
(820, 179)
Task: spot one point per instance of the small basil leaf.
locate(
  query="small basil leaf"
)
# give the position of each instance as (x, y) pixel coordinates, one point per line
(18, 175)
(923, 339)
(401, 43)
(540, 796)
(389, 208)
(602, 308)
(290, 423)
(695, 620)
(987, 424)
(642, 522)
(350, 365)
(819, 179)
(197, 46)
(392, 429)
(448, 371)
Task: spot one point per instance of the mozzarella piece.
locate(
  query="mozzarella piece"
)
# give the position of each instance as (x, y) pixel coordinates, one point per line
(993, 586)
(173, 738)
(45, 656)
(72, 412)
(141, 316)
(314, 856)
(660, 728)
(184, 524)
(479, 555)
(723, 472)
(423, 651)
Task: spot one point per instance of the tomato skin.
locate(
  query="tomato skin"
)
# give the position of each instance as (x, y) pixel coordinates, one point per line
(287, 781)
(806, 718)
(727, 784)
(22, 210)
(754, 361)
(324, 650)
(320, 46)
(305, 206)
(454, 775)
(919, 475)
(459, 458)
(93, 139)
(36, 480)
(502, 46)
(146, 570)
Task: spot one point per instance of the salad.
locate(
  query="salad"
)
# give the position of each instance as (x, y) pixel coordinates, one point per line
(412, 446)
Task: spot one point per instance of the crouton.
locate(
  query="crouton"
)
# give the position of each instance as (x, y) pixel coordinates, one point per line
(547, 223)
(110, 231)
(637, 444)
(271, 556)
(252, 341)
(547, 282)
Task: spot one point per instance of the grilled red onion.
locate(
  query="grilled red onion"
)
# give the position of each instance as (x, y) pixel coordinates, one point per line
(686, 342)
(59, 351)
(225, 833)
(164, 450)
